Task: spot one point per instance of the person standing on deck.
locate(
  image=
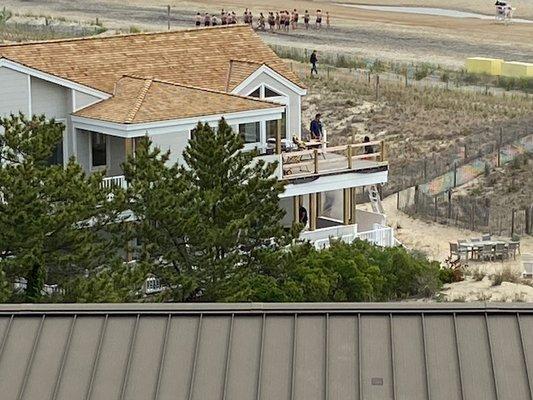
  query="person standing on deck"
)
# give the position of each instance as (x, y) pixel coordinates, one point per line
(295, 17)
(327, 20)
(207, 19)
(198, 20)
(277, 20)
(306, 19)
(316, 128)
(313, 60)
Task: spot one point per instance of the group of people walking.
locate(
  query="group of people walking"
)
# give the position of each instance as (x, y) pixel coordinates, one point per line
(276, 20)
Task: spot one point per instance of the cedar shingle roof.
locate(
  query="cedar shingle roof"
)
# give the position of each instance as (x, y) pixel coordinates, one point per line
(139, 100)
(238, 71)
(197, 57)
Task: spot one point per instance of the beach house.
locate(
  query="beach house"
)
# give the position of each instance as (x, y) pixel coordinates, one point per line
(110, 91)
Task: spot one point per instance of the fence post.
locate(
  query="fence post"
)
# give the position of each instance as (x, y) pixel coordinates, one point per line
(416, 198)
(512, 224)
(168, 16)
(454, 174)
(377, 87)
(398, 200)
(449, 204)
(500, 147)
(315, 156)
(528, 220)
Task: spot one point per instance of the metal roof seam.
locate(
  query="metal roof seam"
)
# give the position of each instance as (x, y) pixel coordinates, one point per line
(4, 338)
(525, 356)
(195, 360)
(424, 348)
(492, 366)
(162, 358)
(96, 359)
(392, 358)
(228, 357)
(30, 360)
(63, 359)
(293, 360)
(131, 346)
(458, 357)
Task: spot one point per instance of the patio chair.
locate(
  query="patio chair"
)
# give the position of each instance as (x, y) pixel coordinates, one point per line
(501, 251)
(527, 262)
(517, 243)
(513, 248)
(486, 252)
(457, 251)
(463, 247)
(486, 236)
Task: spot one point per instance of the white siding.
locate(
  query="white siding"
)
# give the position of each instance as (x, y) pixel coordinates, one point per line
(175, 142)
(294, 106)
(14, 92)
(80, 140)
(117, 155)
(49, 99)
(83, 100)
(83, 145)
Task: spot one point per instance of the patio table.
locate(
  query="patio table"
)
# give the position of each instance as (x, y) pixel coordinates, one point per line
(473, 247)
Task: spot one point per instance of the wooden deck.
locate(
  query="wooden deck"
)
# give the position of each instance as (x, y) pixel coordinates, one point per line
(330, 160)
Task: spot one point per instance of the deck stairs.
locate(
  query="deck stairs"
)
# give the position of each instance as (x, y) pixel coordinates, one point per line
(375, 199)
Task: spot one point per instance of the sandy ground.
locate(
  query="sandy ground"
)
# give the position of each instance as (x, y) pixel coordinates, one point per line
(394, 36)
(433, 240)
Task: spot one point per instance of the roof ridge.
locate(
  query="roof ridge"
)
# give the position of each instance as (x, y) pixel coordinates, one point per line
(138, 102)
(202, 89)
(245, 60)
(228, 78)
(88, 38)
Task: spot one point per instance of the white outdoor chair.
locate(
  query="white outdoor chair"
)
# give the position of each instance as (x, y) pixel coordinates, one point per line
(527, 262)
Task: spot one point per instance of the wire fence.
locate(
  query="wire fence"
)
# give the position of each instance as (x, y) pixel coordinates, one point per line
(465, 212)
(435, 199)
(343, 65)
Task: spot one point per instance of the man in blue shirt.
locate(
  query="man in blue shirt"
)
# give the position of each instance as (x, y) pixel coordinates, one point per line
(316, 128)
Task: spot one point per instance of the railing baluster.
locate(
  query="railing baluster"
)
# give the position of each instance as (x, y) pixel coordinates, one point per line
(315, 156)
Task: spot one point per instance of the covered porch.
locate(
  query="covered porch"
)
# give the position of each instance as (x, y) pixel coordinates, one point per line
(334, 215)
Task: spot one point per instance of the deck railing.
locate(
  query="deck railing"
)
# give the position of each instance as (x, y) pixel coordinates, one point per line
(324, 160)
(114, 181)
(380, 236)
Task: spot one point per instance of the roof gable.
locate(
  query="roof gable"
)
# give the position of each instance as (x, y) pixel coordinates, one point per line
(198, 57)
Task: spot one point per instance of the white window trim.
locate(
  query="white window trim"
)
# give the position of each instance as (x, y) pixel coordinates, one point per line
(162, 127)
(273, 74)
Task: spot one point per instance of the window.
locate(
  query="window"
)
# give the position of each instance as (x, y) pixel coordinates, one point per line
(56, 158)
(271, 93)
(99, 149)
(272, 127)
(250, 132)
(256, 93)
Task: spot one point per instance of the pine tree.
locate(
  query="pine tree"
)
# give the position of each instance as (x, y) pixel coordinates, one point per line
(207, 223)
(52, 217)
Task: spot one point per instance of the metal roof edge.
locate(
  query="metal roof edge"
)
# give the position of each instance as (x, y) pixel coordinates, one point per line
(266, 308)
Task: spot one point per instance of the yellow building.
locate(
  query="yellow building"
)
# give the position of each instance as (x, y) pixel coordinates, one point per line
(482, 65)
(516, 69)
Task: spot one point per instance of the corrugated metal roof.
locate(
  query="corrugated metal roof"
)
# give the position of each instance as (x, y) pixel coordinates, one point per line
(266, 351)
